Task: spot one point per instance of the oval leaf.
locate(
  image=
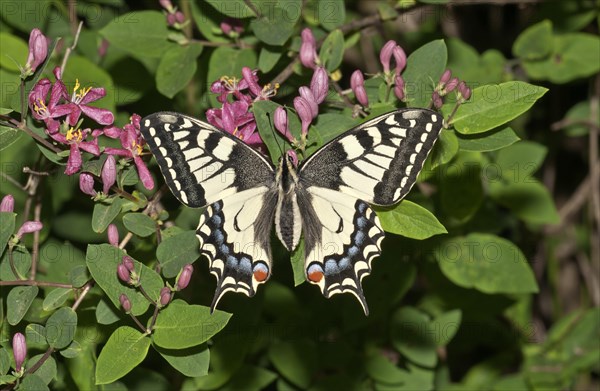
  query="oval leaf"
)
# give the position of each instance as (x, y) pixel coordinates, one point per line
(410, 220)
(175, 252)
(60, 328)
(423, 68)
(139, 224)
(176, 68)
(124, 350)
(18, 302)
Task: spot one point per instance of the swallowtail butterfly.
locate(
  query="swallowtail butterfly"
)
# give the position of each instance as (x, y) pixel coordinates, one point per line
(326, 198)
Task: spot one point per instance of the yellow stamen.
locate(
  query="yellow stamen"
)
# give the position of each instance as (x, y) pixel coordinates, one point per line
(42, 106)
(74, 134)
(79, 95)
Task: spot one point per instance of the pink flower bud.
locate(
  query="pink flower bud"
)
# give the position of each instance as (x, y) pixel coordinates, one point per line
(319, 84)
(308, 49)
(451, 85)
(165, 296)
(103, 48)
(445, 76)
(307, 94)
(357, 82)
(231, 26)
(386, 55)
(128, 262)
(123, 274)
(399, 87)
(125, 303)
(109, 174)
(400, 58)
(113, 235)
(38, 49)
(86, 183)
(7, 204)
(166, 4)
(179, 17)
(19, 350)
(304, 112)
(171, 20)
(29, 227)
(184, 277)
(464, 91)
(250, 77)
(282, 123)
(437, 100)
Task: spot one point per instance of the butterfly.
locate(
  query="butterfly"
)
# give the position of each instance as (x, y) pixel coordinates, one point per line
(326, 198)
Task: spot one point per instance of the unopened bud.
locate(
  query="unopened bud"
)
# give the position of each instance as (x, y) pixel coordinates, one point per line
(29, 227)
(7, 204)
(19, 350)
(184, 277)
(109, 174)
(123, 273)
(319, 84)
(113, 235)
(125, 303)
(165, 296)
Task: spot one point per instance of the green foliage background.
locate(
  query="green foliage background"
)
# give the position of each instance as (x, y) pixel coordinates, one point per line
(488, 278)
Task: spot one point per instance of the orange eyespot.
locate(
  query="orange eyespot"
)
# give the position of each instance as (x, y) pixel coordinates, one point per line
(260, 275)
(315, 276)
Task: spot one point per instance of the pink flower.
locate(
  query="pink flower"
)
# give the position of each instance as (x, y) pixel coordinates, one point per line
(400, 58)
(78, 103)
(37, 102)
(464, 92)
(307, 94)
(19, 350)
(133, 144)
(399, 87)
(38, 50)
(235, 119)
(125, 303)
(7, 204)
(308, 49)
(29, 227)
(165, 296)
(250, 77)
(282, 124)
(113, 235)
(304, 112)
(76, 140)
(231, 27)
(357, 82)
(167, 5)
(437, 100)
(386, 55)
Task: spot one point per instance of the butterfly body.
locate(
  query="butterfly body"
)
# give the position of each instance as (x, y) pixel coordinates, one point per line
(325, 199)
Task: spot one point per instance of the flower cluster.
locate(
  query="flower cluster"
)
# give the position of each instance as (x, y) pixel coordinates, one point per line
(175, 18)
(391, 50)
(237, 97)
(61, 113)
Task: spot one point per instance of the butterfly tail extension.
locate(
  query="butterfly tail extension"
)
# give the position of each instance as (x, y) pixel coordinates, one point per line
(237, 268)
(343, 271)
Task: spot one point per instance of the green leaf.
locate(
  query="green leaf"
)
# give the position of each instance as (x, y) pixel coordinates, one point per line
(443, 151)
(103, 214)
(55, 298)
(181, 325)
(73, 350)
(575, 56)
(488, 141)
(102, 261)
(21, 260)
(7, 228)
(530, 201)
(518, 162)
(275, 26)
(576, 118)
(106, 313)
(60, 328)
(177, 251)
(33, 382)
(461, 190)
(381, 369)
(493, 105)
(47, 372)
(90, 75)
(250, 378)
(423, 69)
(263, 112)
(332, 50)
(4, 361)
(295, 360)
(139, 224)
(446, 326)
(125, 349)
(226, 61)
(330, 125)
(297, 260)
(18, 302)
(535, 42)
(208, 20)
(410, 220)
(79, 276)
(267, 59)
(14, 52)
(35, 335)
(176, 68)
(487, 263)
(140, 33)
(8, 136)
(411, 336)
(233, 8)
(191, 362)
(331, 14)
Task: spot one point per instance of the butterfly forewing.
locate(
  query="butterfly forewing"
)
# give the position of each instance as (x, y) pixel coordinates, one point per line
(202, 164)
(378, 161)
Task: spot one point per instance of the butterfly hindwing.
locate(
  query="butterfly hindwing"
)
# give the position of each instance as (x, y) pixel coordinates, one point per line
(202, 164)
(375, 163)
(378, 161)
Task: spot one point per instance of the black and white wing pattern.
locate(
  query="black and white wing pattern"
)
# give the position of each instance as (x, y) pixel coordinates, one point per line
(204, 166)
(375, 163)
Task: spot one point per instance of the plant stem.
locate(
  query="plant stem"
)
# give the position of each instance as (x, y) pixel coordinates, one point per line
(140, 325)
(35, 283)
